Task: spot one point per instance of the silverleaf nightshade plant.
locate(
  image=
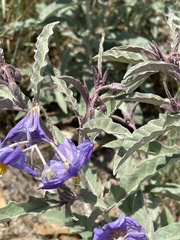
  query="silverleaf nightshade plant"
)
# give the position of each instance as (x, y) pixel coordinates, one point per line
(126, 189)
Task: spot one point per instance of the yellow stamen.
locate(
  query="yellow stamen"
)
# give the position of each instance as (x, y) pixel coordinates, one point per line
(35, 109)
(3, 169)
(77, 180)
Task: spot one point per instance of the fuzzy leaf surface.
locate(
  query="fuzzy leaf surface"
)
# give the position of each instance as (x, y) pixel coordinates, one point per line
(153, 67)
(149, 98)
(58, 217)
(95, 186)
(148, 132)
(10, 101)
(41, 58)
(130, 180)
(106, 125)
(143, 218)
(126, 54)
(6, 98)
(15, 210)
(62, 87)
(170, 232)
(61, 101)
(146, 169)
(5, 92)
(134, 81)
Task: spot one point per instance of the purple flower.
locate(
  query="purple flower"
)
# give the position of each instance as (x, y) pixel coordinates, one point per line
(125, 227)
(15, 158)
(28, 129)
(58, 171)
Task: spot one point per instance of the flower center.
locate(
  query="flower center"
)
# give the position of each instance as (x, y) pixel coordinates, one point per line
(118, 235)
(50, 174)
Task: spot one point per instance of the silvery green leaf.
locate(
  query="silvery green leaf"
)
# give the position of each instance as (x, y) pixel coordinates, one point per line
(174, 31)
(5, 92)
(15, 210)
(126, 54)
(94, 200)
(61, 101)
(93, 217)
(153, 67)
(91, 175)
(105, 124)
(114, 100)
(147, 168)
(153, 206)
(130, 181)
(149, 98)
(170, 232)
(146, 133)
(11, 101)
(62, 87)
(59, 135)
(134, 81)
(144, 218)
(92, 196)
(41, 58)
(58, 217)
(52, 9)
(166, 216)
